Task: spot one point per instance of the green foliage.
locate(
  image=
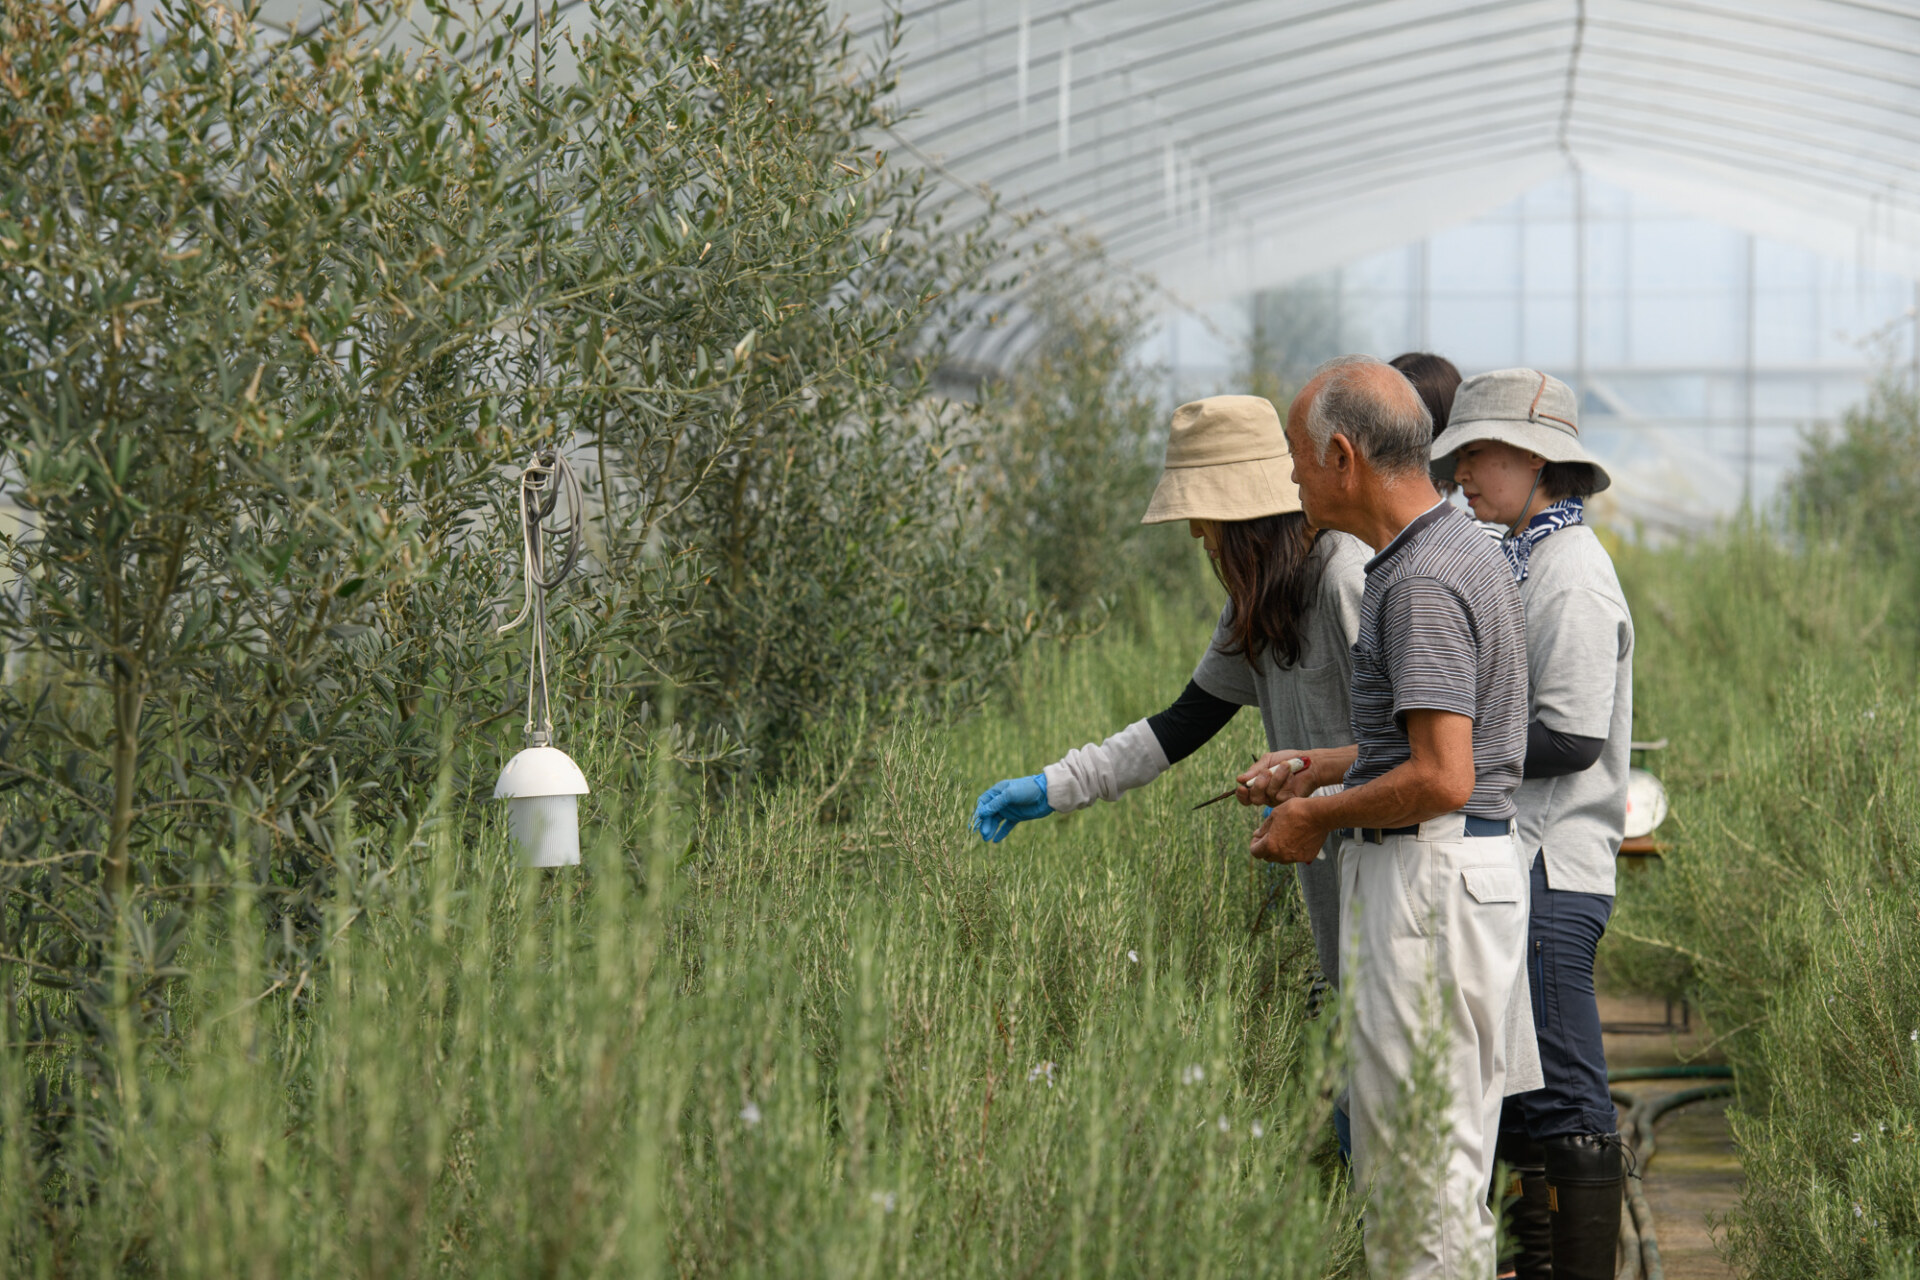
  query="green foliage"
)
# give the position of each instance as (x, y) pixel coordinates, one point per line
(1786, 680)
(1076, 446)
(1785, 675)
(748, 1040)
(1861, 481)
(282, 316)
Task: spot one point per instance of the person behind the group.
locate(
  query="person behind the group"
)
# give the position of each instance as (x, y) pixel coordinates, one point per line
(1437, 381)
(1281, 643)
(1515, 452)
(1435, 885)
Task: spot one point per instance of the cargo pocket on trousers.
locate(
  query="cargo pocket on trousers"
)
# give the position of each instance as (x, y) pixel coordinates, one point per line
(1494, 884)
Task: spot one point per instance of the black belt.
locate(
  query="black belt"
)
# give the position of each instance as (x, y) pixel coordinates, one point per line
(1476, 827)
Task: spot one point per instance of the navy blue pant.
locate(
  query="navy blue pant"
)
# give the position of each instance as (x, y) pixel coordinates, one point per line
(1563, 932)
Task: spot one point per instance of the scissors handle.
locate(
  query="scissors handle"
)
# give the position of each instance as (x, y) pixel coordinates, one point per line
(1295, 764)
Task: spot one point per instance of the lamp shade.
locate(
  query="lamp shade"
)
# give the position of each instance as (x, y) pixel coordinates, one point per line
(540, 785)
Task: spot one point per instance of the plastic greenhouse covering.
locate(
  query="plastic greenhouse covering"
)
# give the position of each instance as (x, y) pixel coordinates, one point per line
(1230, 145)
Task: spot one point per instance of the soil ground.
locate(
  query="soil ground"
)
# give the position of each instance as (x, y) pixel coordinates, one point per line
(1694, 1179)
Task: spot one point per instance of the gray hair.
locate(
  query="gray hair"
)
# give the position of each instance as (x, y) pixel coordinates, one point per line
(1385, 420)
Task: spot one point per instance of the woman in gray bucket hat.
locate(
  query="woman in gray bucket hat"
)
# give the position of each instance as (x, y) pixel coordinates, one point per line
(1513, 446)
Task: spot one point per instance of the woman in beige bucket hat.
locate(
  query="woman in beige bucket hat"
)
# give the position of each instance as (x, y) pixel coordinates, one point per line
(1514, 448)
(1281, 642)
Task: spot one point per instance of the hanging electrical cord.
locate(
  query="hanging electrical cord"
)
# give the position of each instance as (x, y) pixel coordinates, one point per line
(542, 483)
(547, 475)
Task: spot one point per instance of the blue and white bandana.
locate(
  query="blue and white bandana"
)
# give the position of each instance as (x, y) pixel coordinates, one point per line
(1519, 548)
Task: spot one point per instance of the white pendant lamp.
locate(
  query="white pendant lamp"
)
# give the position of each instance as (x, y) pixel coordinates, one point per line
(540, 785)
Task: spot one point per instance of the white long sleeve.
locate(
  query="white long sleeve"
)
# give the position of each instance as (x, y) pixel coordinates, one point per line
(1105, 771)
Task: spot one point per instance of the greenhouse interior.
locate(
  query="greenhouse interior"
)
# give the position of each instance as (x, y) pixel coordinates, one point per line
(960, 638)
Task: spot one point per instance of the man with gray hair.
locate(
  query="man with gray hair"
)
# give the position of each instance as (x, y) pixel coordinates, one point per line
(1434, 887)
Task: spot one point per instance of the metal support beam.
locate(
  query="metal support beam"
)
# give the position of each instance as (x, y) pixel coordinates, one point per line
(1579, 288)
(1520, 283)
(1749, 495)
(1423, 297)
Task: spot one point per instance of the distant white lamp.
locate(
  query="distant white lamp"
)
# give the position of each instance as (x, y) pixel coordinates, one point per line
(1646, 803)
(539, 786)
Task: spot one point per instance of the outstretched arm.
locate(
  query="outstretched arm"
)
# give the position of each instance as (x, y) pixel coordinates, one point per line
(1106, 770)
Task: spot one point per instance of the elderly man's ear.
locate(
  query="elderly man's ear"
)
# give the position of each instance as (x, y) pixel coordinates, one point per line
(1341, 456)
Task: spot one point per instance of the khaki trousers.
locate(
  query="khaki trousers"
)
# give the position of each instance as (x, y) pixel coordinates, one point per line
(1433, 945)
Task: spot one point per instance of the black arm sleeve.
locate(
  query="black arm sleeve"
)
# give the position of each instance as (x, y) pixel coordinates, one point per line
(1190, 723)
(1552, 754)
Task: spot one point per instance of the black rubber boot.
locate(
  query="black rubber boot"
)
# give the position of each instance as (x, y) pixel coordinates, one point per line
(1585, 1190)
(1523, 1209)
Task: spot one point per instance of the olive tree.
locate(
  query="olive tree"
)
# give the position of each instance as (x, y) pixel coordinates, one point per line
(282, 317)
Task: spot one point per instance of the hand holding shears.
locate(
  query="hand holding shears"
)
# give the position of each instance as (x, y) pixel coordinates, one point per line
(1279, 770)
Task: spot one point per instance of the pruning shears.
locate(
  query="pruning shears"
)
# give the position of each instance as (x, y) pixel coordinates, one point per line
(1293, 765)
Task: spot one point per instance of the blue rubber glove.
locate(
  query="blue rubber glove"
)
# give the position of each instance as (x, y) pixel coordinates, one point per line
(1006, 803)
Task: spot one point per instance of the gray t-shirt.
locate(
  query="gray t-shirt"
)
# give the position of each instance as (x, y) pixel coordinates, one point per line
(1442, 629)
(1580, 660)
(1306, 705)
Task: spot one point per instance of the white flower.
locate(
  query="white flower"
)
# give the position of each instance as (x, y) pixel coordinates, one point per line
(1041, 1071)
(1257, 1130)
(1856, 1137)
(1858, 1212)
(1193, 1074)
(750, 1114)
(1134, 956)
(1914, 1035)
(885, 1199)
(1222, 1125)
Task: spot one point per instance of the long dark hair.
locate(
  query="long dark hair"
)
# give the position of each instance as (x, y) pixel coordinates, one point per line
(1435, 378)
(1271, 576)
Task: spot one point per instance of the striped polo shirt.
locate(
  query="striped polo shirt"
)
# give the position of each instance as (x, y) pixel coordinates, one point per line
(1442, 629)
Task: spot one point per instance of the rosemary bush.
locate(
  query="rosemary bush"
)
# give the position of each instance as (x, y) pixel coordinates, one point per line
(740, 1040)
(1788, 908)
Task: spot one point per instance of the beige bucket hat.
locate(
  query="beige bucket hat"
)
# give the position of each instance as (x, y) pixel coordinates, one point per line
(1522, 407)
(1226, 460)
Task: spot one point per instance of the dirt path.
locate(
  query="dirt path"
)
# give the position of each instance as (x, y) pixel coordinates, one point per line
(1695, 1177)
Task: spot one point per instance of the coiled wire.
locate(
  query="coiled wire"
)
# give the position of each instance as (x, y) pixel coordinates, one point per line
(543, 481)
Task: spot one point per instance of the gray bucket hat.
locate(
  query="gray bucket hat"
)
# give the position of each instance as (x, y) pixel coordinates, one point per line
(1522, 407)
